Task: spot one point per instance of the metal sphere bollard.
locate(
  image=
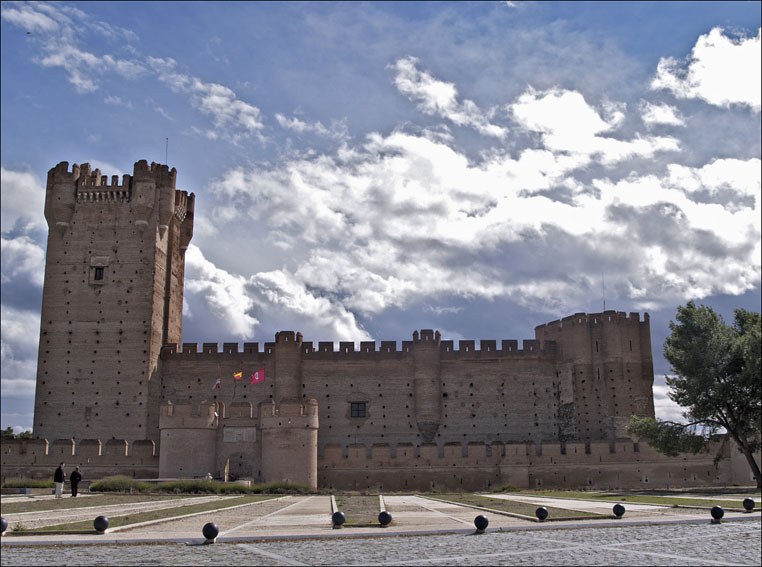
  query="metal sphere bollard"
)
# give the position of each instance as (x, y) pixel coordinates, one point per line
(3, 525)
(101, 524)
(481, 523)
(748, 504)
(210, 531)
(384, 518)
(541, 513)
(338, 518)
(618, 510)
(717, 514)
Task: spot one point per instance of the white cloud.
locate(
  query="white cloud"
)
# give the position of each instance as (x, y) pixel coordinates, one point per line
(665, 408)
(720, 70)
(569, 124)
(23, 198)
(232, 117)
(224, 293)
(18, 351)
(21, 256)
(438, 98)
(25, 16)
(660, 114)
(405, 217)
(338, 131)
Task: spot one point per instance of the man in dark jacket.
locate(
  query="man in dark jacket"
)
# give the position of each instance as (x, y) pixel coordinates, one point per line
(75, 477)
(59, 478)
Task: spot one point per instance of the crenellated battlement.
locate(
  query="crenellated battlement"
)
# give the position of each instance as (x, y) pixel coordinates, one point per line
(384, 349)
(586, 319)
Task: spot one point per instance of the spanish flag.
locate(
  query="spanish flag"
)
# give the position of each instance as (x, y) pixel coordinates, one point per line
(238, 375)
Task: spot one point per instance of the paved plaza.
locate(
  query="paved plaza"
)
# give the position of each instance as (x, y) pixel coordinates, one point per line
(296, 530)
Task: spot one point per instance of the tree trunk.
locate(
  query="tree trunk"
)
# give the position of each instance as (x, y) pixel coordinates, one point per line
(747, 452)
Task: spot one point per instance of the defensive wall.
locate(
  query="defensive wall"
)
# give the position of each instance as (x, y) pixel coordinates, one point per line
(430, 466)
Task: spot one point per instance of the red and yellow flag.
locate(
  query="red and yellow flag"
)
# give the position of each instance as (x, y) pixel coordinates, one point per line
(238, 375)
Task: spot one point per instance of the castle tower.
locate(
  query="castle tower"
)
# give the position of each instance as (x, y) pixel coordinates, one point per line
(605, 370)
(428, 392)
(113, 295)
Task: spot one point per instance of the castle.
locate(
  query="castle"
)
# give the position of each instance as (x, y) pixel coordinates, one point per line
(119, 393)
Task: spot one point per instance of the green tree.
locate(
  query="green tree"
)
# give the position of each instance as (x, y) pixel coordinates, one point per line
(717, 381)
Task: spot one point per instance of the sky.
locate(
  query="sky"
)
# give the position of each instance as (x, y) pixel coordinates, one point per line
(363, 170)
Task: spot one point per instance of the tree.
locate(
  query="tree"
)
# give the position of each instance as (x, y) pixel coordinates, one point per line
(717, 379)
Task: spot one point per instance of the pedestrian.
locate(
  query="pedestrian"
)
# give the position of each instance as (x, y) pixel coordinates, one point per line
(75, 477)
(59, 478)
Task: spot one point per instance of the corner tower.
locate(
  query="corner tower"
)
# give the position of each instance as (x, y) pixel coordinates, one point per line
(113, 295)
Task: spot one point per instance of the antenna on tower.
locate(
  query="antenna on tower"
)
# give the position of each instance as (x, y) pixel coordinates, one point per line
(166, 153)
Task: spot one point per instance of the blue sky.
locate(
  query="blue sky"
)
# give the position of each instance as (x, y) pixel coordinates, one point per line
(363, 170)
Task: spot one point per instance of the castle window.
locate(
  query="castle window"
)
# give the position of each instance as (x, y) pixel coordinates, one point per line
(357, 409)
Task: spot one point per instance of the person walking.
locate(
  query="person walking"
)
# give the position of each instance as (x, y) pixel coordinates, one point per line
(75, 477)
(59, 478)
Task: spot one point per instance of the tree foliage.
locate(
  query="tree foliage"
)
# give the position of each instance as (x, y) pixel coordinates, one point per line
(717, 381)
(8, 433)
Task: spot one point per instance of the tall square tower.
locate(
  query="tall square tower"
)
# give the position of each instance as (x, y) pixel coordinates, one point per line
(113, 295)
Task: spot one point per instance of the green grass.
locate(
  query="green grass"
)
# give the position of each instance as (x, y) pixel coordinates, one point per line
(195, 486)
(512, 507)
(359, 509)
(137, 518)
(28, 483)
(705, 502)
(84, 502)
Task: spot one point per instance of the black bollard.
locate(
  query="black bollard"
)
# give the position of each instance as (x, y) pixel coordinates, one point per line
(101, 524)
(481, 523)
(541, 513)
(210, 532)
(384, 518)
(618, 510)
(748, 504)
(717, 514)
(4, 524)
(338, 518)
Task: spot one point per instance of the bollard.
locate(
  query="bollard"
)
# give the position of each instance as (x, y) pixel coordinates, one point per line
(748, 504)
(210, 532)
(481, 523)
(618, 510)
(3, 525)
(384, 518)
(338, 518)
(717, 514)
(541, 513)
(101, 524)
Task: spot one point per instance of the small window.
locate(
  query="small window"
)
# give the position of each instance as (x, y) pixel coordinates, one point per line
(98, 273)
(357, 409)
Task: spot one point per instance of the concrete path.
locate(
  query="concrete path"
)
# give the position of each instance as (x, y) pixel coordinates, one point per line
(310, 517)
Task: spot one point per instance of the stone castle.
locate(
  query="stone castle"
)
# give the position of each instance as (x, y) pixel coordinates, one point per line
(119, 393)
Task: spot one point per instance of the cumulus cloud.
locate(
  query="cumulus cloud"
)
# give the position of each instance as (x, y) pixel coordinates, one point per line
(404, 217)
(222, 291)
(18, 351)
(720, 70)
(439, 98)
(23, 198)
(567, 123)
(21, 256)
(660, 114)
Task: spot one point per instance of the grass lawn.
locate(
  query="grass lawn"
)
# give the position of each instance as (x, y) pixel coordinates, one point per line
(137, 518)
(513, 507)
(704, 501)
(86, 500)
(359, 509)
